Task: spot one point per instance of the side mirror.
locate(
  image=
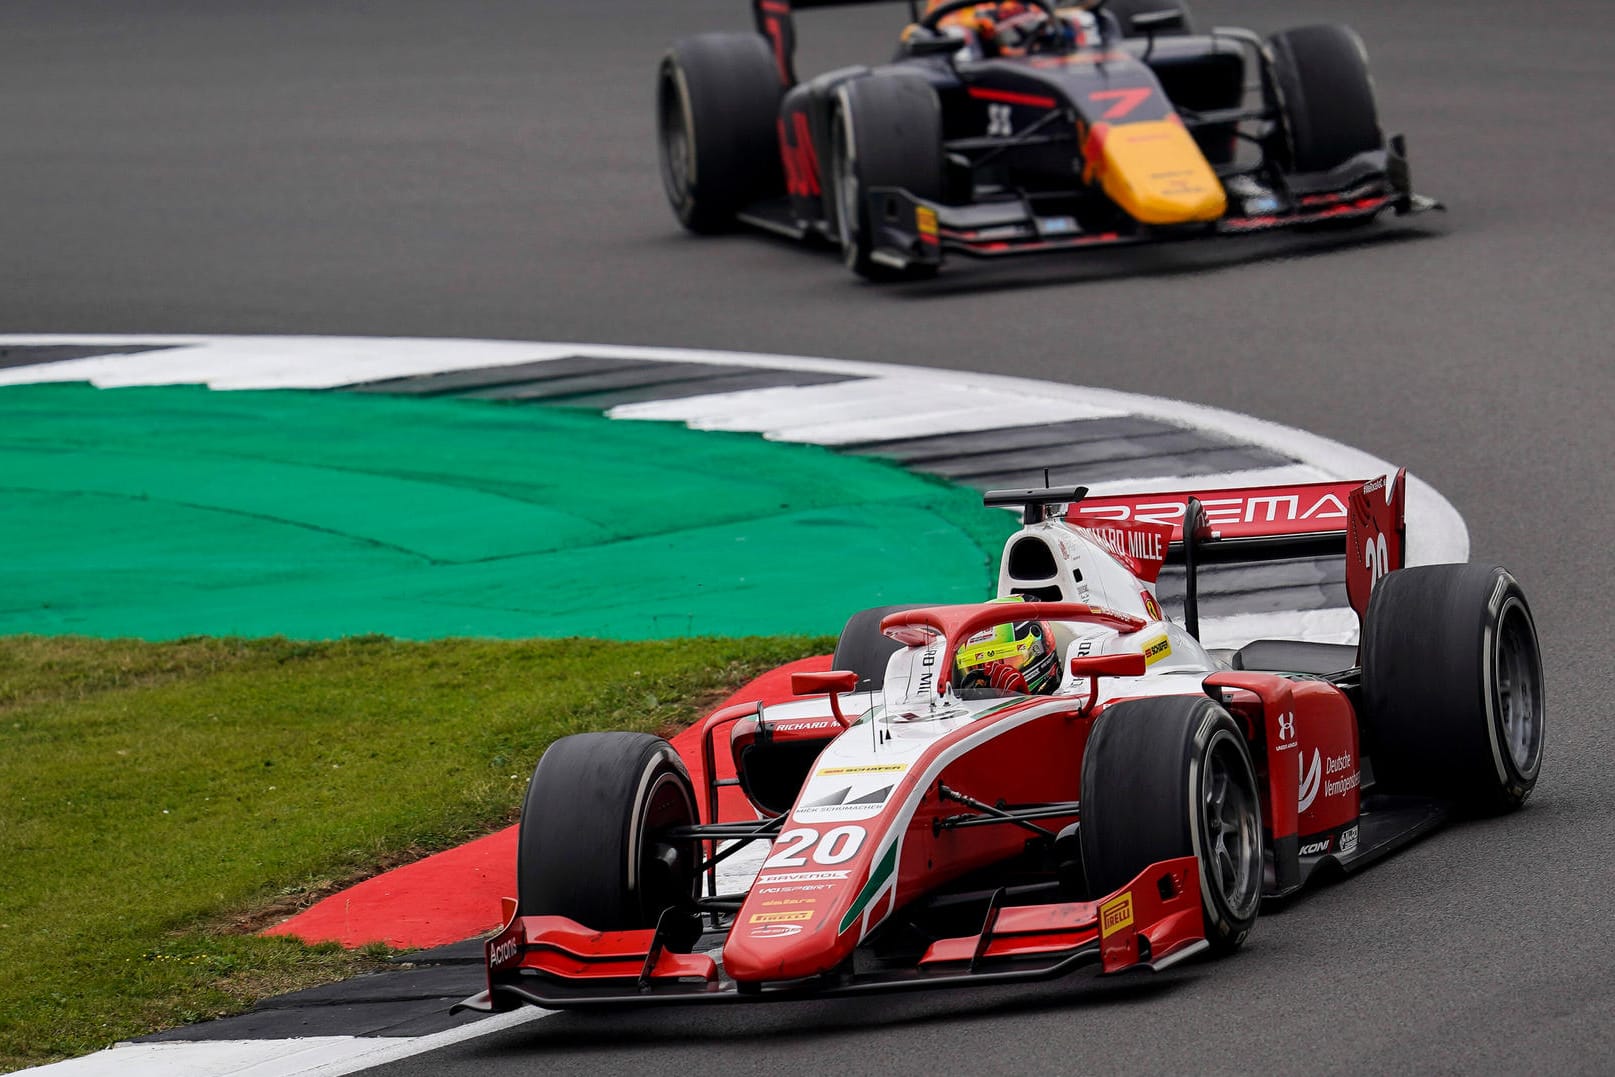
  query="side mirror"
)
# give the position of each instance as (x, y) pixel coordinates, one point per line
(924, 44)
(1153, 22)
(832, 684)
(1105, 665)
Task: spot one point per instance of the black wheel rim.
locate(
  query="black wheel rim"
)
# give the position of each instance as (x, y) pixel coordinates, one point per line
(1232, 827)
(1517, 674)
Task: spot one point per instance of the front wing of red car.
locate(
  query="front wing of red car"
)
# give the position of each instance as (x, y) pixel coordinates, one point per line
(1152, 922)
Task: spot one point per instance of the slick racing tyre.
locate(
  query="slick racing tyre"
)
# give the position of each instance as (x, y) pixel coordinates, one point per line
(1167, 777)
(1125, 10)
(863, 650)
(1325, 96)
(717, 103)
(593, 844)
(885, 131)
(1452, 686)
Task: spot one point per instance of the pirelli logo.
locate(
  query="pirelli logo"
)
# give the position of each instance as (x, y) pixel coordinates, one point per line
(1157, 651)
(925, 220)
(781, 917)
(1115, 915)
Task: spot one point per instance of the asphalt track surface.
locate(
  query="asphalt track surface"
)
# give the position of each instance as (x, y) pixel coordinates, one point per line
(487, 169)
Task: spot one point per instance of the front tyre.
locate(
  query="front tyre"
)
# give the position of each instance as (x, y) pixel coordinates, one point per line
(1452, 685)
(717, 106)
(1171, 776)
(1325, 96)
(594, 844)
(863, 650)
(885, 131)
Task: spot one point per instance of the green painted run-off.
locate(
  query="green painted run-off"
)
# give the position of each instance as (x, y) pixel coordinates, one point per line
(165, 512)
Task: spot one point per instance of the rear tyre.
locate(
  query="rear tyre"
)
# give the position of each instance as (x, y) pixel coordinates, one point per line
(1452, 686)
(885, 131)
(863, 650)
(1124, 10)
(1168, 777)
(593, 844)
(1325, 96)
(717, 106)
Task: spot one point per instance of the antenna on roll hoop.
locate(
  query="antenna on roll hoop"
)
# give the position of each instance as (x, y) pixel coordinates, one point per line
(1037, 504)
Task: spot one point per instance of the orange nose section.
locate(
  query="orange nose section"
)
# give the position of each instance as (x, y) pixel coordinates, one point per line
(1155, 172)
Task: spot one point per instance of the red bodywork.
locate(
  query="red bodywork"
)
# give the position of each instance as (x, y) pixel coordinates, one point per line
(828, 883)
(839, 866)
(801, 920)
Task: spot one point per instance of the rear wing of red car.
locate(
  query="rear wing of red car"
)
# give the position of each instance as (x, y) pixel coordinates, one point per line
(775, 21)
(1366, 521)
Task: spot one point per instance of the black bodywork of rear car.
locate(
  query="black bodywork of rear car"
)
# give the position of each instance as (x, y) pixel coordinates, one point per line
(1009, 158)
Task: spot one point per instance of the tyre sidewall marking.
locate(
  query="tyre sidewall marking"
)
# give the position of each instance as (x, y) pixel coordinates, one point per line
(1197, 841)
(1198, 758)
(1210, 733)
(639, 806)
(847, 159)
(1505, 600)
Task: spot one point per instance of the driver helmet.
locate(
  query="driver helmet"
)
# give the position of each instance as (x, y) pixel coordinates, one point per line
(1003, 27)
(1018, 657)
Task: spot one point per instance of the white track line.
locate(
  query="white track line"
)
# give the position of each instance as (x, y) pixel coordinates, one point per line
(312, 1056)
(909, 404)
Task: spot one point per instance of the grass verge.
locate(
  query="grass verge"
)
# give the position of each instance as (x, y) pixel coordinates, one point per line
(153, 796)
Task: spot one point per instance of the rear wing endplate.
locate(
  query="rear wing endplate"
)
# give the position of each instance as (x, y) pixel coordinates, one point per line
(775, 21)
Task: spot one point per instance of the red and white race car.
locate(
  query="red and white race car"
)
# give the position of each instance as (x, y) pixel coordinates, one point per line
(1059, 777)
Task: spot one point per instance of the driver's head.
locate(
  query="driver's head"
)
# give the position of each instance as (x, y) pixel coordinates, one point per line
(983, 20)
(1020, 656)
(987, 18)
(1007, 27)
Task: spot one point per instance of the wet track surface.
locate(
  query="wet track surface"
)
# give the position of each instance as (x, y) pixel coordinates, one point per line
(487, 169)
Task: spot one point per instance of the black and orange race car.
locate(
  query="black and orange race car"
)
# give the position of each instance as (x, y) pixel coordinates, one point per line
(1023, 126)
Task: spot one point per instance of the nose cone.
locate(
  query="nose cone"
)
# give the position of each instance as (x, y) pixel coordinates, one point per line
(1155, 172)
(802, 923)
(791, 945)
